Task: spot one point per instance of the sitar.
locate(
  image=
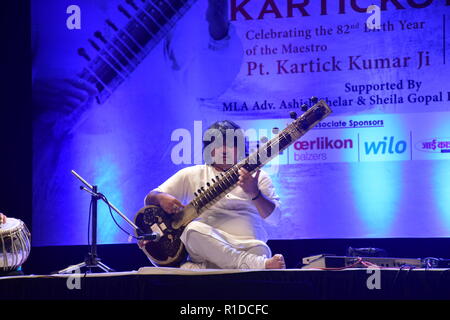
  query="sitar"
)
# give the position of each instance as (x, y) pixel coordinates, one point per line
(169, 250)
(149, 22)
(118, 56)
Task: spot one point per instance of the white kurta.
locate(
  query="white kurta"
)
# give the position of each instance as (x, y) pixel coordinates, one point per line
(234, 219)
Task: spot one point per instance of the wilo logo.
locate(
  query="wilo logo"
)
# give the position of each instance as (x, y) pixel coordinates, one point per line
(386, 146)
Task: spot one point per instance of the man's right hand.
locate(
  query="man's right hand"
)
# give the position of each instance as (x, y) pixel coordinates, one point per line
(169, 203)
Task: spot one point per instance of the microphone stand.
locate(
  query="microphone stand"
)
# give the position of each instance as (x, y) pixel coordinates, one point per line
(92, 260)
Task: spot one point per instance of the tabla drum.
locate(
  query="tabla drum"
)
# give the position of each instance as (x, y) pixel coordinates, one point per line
(15, 244)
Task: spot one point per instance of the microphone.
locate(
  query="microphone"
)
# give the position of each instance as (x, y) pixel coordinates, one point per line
(149, 236)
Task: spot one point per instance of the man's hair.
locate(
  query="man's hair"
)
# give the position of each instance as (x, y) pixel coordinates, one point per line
(223, 127)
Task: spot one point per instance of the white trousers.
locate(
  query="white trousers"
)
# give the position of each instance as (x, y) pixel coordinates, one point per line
(207, 252)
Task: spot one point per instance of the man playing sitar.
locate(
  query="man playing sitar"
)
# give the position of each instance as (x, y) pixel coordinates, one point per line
(230, 234)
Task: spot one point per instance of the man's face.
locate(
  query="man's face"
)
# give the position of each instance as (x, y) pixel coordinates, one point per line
(225, 150)
(225, 156)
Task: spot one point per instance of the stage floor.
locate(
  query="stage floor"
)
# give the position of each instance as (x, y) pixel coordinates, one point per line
(150, 283)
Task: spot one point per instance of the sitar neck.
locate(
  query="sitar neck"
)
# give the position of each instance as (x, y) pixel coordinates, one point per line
(147, 24)
(225, 182)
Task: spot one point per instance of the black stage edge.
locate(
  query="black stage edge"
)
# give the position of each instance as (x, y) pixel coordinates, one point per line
(259, 286)
(126, 257)
(351, 284)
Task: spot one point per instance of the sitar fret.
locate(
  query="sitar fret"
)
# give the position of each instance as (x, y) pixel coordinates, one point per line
(125, 50)
(130, 43)
(104, 72)
(113, 62)
(124, 62)
(165, 8)
(146, 19)
(156, 14)
(139, 33)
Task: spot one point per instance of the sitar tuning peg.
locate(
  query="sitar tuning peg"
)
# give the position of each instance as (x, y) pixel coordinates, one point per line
(132, 4)
(293, 114)
(111, 24)
(92, 42)
(99, 36)
(275, 130)
(304, 107)
(314, 100)
(124, 11)
(82, 52)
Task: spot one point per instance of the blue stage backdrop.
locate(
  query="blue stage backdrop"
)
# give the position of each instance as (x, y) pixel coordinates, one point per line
(117, 89)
